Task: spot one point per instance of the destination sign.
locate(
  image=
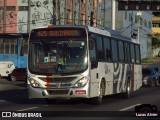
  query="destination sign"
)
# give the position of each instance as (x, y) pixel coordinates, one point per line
(58, 33)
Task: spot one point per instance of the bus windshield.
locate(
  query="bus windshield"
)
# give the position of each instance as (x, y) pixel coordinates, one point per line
(58, 55)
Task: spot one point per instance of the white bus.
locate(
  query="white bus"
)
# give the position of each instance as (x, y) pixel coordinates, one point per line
(82, 62)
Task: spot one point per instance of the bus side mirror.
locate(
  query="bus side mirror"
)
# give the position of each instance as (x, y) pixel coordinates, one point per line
(91, 44)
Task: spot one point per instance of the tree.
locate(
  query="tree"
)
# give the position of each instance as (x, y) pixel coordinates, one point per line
(156, 41)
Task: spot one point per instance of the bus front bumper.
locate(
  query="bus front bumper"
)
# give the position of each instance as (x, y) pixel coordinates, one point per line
(58, 93)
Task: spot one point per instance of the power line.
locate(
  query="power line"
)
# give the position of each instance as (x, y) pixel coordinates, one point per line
(129, 26)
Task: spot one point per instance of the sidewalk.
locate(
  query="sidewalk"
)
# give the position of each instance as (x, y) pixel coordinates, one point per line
(153, 61)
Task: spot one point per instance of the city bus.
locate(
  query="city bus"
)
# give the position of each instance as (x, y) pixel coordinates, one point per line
(66, 62)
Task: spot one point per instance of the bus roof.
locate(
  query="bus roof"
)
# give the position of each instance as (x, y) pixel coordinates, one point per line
(99, 31)
(106, 32)
(112, 33)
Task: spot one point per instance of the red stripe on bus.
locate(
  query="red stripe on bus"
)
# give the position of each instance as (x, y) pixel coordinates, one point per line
(48, 81)
(132, 77)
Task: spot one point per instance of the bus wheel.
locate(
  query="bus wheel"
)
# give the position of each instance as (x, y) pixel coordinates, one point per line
(98, 100)
(13, 78)
(128, 92)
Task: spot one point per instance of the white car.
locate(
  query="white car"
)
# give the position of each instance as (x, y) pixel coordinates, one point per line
(6, 67)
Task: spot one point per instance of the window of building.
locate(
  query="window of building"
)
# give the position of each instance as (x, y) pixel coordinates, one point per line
(23, 8)
(114, 50)
(130, 17)
(125, 15)
(149, 24)
(141, 21)
(68, 16)
(145, 23)
(156, 25)
(1, 15)
(1, 49)
(8, 46)
(74, 17)
(82, 19)
(10, 8)
(152, 25)
(136, 19)
(107, 48)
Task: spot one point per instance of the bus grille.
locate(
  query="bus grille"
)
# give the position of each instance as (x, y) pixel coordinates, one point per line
(59, 80)
(58, 92)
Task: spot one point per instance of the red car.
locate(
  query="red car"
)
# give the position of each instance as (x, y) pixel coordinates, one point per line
(18, 74)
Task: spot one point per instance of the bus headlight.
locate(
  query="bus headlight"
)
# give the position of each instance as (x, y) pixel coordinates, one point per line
(34, 83)
(82, 82)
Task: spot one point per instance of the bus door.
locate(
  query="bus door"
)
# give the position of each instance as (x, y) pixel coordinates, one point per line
(93, 68)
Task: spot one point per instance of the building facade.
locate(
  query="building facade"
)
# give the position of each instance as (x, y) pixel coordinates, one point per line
(130, 29)
(21, 16)
(156, 25)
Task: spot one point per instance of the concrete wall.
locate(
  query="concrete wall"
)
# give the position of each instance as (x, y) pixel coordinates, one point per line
(41, 13)
(22, 17)
(145, 32)
(11, 17)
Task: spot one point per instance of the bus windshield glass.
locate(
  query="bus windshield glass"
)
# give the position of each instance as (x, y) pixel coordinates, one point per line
(57, 55)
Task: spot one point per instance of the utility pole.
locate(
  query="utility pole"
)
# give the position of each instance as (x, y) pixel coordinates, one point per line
(104, 14)
(29, 16)
(92, 13)
(139, 20)
(91, 18)
(113, 14)
(4, 17)
(132, 25)
(56, 12)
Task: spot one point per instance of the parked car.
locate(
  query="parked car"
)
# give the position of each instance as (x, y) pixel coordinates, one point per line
(150, 77)
(6, 67)
(157, 74)
(18, 74)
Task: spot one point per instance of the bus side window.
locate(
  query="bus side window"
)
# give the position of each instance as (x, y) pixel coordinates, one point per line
(92, 50)
(114, 50)
(99, 48)
(132, 50)
(137, 50)
(107, 49)
(126, 52)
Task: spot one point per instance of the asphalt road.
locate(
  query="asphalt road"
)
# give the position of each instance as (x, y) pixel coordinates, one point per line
(14, 98)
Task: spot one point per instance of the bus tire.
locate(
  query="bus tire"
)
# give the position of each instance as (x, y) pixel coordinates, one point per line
(13, 78)
(127, 94)
(98, 100)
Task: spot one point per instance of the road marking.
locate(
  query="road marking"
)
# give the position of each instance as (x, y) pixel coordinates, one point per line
(27, 109)
(127, 108)
(2, 100)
